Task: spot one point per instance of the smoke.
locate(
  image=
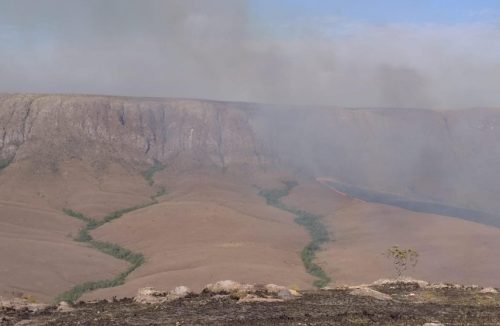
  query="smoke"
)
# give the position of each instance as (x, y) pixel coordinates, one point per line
(218, 49)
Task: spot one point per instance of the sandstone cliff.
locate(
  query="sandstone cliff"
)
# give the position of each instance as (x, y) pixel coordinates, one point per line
(48, 129)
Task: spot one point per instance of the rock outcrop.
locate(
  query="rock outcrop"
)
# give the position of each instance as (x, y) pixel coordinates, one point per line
(229, 287)
(240, 292)
(22, 304)
(150, 295)
(367, 292)
(63, 306)
(410, 305)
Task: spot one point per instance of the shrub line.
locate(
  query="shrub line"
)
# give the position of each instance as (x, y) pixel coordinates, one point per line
(109, 248)
(314, 225)
(5, 162)
(149, 173)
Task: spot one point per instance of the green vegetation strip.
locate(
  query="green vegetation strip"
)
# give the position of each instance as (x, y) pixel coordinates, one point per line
(112, 249)
(5, 162)
(149, 173)
(317, 230)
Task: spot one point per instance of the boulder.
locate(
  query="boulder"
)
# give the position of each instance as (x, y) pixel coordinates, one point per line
(150, 295)
(444, 286)
(229, 287)
(404, 280)
(274, 289)
(367, 292)
(179, 292)
(285, 294)
(489, 290)
(63, 306)
(281, 291)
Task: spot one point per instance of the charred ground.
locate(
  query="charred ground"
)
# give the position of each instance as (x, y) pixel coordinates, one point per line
(410, 305)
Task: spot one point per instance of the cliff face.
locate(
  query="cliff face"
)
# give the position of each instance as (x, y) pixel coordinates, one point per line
(49, 129)
(445, 156)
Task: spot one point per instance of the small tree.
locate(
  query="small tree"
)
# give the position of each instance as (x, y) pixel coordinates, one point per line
(402, 258)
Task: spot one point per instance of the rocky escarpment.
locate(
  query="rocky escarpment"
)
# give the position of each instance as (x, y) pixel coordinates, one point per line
(448, 157)
(47, 129)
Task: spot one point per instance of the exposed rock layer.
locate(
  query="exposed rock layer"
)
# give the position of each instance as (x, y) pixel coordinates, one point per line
(442, 156)
(49, 129)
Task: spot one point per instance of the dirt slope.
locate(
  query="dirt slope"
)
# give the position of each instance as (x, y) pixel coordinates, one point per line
(208, 227)
(451, 249)
(38, 254)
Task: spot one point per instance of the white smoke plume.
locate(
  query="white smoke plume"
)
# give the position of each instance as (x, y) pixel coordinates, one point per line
(216, 49)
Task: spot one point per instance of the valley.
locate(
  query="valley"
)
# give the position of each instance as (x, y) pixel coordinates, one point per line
(177, 191)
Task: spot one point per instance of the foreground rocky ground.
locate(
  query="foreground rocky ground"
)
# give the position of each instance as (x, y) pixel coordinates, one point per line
(228, 303)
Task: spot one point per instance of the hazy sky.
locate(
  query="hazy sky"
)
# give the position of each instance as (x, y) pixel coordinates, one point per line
(383, 11)
(401, 53)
